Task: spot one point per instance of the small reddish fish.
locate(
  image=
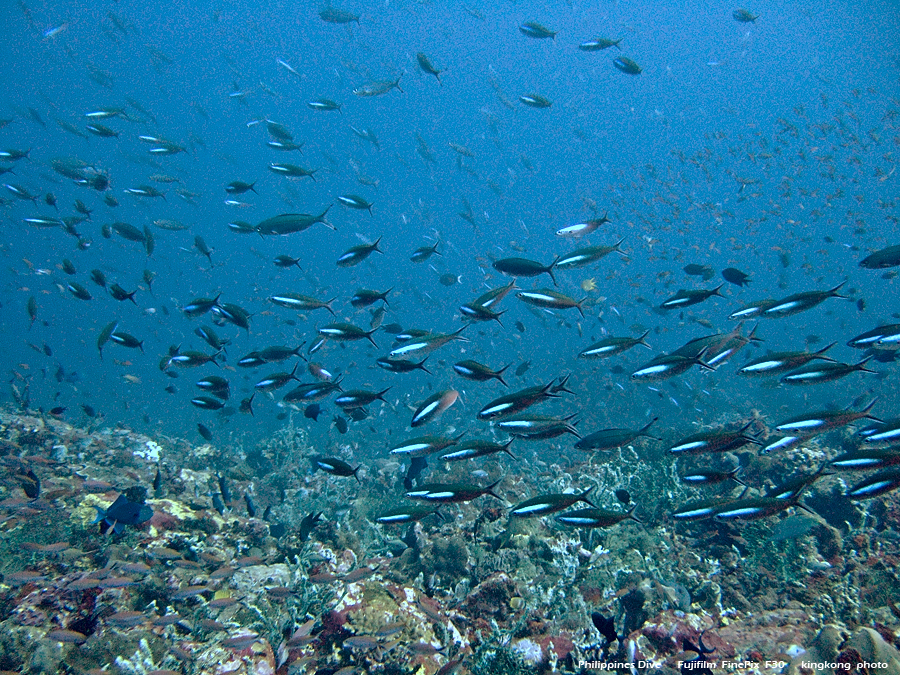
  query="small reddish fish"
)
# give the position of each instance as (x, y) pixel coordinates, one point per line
(240, 641)
(358, 574)
(65, 635)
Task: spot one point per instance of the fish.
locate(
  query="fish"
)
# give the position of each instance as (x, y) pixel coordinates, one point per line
(292, 171)
(535, 101)
(102, 131)
(378, 87)
(695, 270)
(340, 424)
(517, 401)
(782, 362)
(239, 187)
(359, 398)
(735, 276)
(612, 439)
(717, 440)
(700, 509)
(825, 372)
(523, 267)
(666, 366)
(313, 392)
(365, 297)
(367, 135)
(593, 517)
(401, 365)
(146, 191)
(475, 312)
(300, 302)
(800, 302)
(423, 253)
(863, 459)
(583, 228)
(537, 427)
(882, 259)
(278, 130)
(461, 149)
(686, 298)
(358, 203)
(606, 627)
(753, 508)
(279, 353)
(478, 372)
(886, 432)
(121, 513)
(285, 146)
(712, 477)
(120, 294)
(424, 446)
(533, 29)
(291, 223)
(889, 340)
(416, 466)
(204, 432)
(599, 44)
(324, 105)
(546, 298)
(207, 403)
(473, 449)
(190, 359)
(627, 66)
(126, 340)
(585, 256)
(200, 306)
(405, 514)
(452, 492)
(544, 505)
(203, 248)
(31, 484)
(817, 422)
(208, 335)
(875, 485)
(338, 16)
(742, 15)
(78, 290)
(425, 344)
(308, 524)
(347, 332)
(336, 467)
(276, 381)
(104, 335)
(427, 67)
(612, 346)
(433, 407)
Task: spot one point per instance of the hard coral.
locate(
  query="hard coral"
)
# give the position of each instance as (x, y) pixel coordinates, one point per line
(491, 597)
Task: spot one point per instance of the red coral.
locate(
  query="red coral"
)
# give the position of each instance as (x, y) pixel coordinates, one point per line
(491, 597)
(593, 595)
(667, 633)
(332, 623)
(561, 645)
(163, 521)
(854, 659)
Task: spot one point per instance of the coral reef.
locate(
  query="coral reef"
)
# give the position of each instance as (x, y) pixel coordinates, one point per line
(211, 588)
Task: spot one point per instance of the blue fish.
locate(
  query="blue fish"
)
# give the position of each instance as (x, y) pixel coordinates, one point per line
(122, 512)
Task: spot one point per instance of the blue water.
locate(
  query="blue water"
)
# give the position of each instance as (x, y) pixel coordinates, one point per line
(799, 102)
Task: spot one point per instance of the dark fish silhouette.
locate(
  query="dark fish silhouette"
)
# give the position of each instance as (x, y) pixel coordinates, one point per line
(122, 512)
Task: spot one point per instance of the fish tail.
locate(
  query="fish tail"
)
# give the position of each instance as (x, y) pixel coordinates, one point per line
(633, 517)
